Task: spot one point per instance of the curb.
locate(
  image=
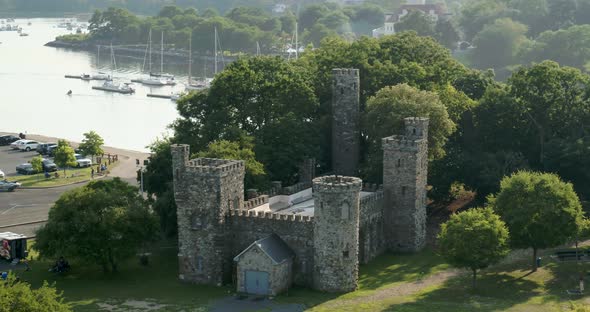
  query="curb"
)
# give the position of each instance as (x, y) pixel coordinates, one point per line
(21, 224)
(58, 186)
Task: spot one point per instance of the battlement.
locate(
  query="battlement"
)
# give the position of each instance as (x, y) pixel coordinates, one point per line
(402, 142)
(256, 202)
(267, 215)
(371, 187)
(416, 127)
(336, 184)
(417, 121)
(375, 197)
(345, 72)
(214, 166)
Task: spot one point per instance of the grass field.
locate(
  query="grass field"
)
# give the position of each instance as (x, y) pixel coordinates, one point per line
(419, 282)
(72, 175)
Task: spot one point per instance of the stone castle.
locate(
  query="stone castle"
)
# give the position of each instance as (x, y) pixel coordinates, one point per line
(314, 233)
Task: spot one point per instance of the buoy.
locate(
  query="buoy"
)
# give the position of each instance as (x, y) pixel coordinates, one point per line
(70, 92)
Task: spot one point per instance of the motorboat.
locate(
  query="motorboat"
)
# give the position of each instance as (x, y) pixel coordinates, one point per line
(23, 34)
(111, 86)
(101, 76)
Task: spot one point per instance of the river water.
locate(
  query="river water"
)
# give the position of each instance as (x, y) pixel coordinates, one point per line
(33, 91)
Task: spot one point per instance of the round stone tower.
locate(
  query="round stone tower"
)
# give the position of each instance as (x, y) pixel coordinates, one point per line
(336, 233)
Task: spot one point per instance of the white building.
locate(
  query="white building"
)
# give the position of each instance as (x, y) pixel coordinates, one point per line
(435, 11)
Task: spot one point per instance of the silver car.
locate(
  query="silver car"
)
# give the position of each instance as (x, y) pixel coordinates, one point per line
(6, 186)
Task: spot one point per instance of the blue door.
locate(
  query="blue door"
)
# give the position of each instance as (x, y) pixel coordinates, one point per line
(257, 282)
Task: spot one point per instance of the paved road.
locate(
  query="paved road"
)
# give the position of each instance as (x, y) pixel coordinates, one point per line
(30, 205)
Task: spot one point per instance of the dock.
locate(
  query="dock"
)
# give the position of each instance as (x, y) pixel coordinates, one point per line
(73, 76)
(112, 90)
(161, 96)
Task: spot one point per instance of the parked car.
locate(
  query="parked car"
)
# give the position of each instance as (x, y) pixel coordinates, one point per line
(14, 145)
(51, 149)
(82, 161)
(28, 146)
(7, 139)
(2, 175)
(8, 186)
(25, 168)
(42, 147)
(48, 165)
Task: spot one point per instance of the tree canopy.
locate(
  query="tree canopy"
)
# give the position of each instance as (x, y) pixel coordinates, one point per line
(18, 296)
(474, 239)
(92, 144)
(101, 223)
(63, 155)
(540, 210)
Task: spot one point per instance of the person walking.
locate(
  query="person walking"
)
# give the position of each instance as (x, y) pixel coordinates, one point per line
(92, 173)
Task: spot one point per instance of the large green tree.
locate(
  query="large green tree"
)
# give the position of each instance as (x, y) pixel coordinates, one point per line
(101, 223)
(417, 21)
(474, 239)
(498, 44)
(540, 210)
(384, 116)
(266, 98)
(18, 296)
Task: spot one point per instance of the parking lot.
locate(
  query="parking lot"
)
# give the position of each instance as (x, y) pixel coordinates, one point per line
(9, 159)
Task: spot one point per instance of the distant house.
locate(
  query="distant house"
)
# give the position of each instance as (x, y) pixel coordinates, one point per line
(435, 11)
(279, 8)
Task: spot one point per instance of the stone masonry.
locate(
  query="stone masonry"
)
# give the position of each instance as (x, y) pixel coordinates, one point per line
(345, 121)
(336, 233)
(405, 169)
(345, 226)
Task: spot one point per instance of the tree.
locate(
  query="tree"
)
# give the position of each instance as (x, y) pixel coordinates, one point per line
(17, 296)
(446, 33)
(568, 46)
(532, 13)
(92, 144)
(540, 210)
(384, 116)
(242, 150)
(63, 155)
(474, 239)
(475, 15)
(101, 223)
(417, 21)
(498, 44)
(37, 163)
(266, 98)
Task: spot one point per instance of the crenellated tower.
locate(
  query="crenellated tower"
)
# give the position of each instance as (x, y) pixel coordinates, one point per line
(345, 121)
(405, 171)
(205, 190)
(336, 233)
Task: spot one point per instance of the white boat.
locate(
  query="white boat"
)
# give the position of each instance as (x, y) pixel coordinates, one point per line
(101, 76)
(203, 83)
(111, 86)
(161, 75)
(22, 34)
(150, 80)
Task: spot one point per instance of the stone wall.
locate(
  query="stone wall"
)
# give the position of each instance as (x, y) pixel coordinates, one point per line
(336, 233)
(405, 170)
(371, 242)
(297, 231)
(205, 190)
(279, 276)
(345, 121)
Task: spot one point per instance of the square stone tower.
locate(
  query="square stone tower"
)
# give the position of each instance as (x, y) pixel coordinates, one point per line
(345, 121)
(405, 171)
(205, 191)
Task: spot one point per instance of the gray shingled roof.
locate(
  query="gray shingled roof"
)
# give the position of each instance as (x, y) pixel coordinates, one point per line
(274, 247)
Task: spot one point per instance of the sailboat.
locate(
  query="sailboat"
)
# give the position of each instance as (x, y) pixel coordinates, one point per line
(167, 77)
(97, 76)
(111, 86)
(151, 81)
(205, 82)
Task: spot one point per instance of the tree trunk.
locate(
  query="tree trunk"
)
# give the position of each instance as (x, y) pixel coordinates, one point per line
(474, 277)
(534, 259)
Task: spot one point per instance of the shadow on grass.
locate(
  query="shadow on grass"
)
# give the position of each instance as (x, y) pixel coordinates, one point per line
(494, 292)
(566, 276)
(391, 268)
(86, 285)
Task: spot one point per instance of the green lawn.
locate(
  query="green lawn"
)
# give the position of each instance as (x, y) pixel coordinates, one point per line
(86, 287)
(389, 283)
(72, 175)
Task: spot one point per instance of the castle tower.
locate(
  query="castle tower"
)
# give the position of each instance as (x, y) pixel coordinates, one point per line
(405, 170)
(205, 190)
(345, 121)
(336, 233)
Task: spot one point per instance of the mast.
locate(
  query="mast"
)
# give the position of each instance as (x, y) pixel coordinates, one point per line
(162, 54)
(296, 41)
(98, 58)
(257, 48)
(215, 50)
(150, 46)
(190, 57)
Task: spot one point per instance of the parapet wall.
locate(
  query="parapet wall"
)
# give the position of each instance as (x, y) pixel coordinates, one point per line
(403, 143)
(371, 207)
(210, 166)
(255, 202)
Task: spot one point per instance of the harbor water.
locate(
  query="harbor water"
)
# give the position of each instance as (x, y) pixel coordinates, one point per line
(33, 90)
